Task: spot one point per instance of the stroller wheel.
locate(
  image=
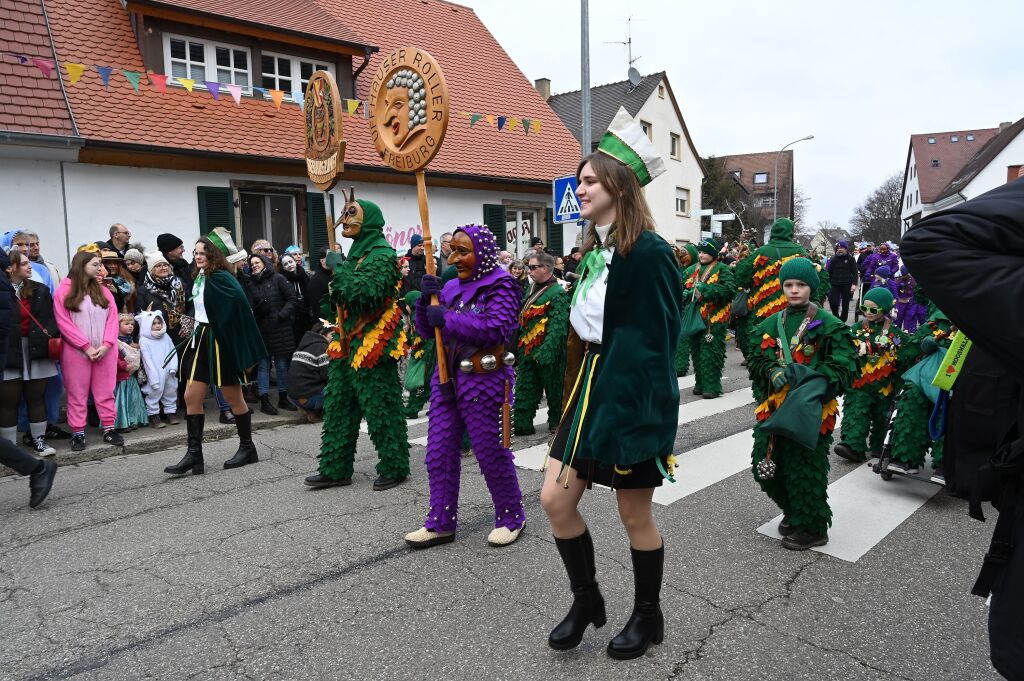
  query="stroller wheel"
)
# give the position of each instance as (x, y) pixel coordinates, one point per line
(886, 475)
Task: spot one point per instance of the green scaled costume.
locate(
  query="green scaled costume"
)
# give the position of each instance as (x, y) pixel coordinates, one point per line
(712, 287)
(910, 437)
(540, 366)
(362, 379)
(422, 360)
(800, 483)
(824, 280)
(884, 352)
(683, 348)
(744, 271)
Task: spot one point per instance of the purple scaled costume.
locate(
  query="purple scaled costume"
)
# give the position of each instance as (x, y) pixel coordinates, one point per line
(876, 260)
(481, 312)
(910, 314)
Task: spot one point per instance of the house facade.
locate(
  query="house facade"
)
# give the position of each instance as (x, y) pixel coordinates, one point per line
(675, 196)
(170, 156)
(756, 172)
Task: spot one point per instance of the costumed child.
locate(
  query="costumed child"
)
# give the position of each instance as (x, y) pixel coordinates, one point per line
(477, 316)
(884, 352)
(422, 361)
(687, 257)
(128, 401)
(790, 459)
(882, 278)
(911, 439)
(157, 348)
(911, 308)
(709, 284)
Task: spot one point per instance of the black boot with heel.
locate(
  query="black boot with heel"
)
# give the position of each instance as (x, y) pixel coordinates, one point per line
(647, 624)
(588, 603)
(246, 453)
(192, 462)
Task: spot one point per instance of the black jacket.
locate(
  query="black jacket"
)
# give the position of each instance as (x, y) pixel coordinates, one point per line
(843, 270)
(417, 268)
(317, 287)
(299, 281)
(183, 269)
(41, 307)
(6, 305)
(307, 374)
(273, 303)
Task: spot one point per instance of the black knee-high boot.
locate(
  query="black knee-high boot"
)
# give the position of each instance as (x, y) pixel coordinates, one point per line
(192, 462)
(646, 625)
(246, 453)
(587, 603)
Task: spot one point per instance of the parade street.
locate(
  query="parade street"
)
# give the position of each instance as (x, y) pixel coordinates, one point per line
(247, 574)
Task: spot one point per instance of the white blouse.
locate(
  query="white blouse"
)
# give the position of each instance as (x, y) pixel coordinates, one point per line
(197, 301)
(587, 315)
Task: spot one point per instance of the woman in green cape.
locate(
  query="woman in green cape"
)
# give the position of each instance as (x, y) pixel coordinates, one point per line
(224, 344)
(621, 412)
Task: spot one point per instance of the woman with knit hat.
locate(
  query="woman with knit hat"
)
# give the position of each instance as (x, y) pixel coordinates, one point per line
(795, 473)
(883, 354)
(709, 284)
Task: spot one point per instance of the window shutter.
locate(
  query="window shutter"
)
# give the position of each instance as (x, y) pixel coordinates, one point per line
(494, 218)
(554, 240)
(316, 223)
(216, 210)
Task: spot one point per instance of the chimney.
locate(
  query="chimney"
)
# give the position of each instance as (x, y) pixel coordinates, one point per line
(1013, 172)
(1004, 125)
(543, 86)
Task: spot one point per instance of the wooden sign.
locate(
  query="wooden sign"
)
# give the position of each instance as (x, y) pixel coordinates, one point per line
(408, 109)
(325, 148)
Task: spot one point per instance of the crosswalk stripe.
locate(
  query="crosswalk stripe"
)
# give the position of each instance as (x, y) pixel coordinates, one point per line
(704, 466)
(865, 509)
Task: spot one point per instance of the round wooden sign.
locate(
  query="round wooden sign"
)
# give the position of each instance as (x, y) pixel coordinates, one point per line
(325, 148)
(408, 109)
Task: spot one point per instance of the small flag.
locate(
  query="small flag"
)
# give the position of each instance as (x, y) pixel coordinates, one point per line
(22, 58)
(527, 124)
(353, 105)
(464, 114)
(214, 88)
(133, 78)
(75, 71)
(299, 98)
(512, 123)
(474, 118)
(187, 82)
(278, 97)
(159, 81)
(236, 93)
(536, 127)
(105, 72)
(501, 121)
(492, 120)
(262, 91)
(45, 65)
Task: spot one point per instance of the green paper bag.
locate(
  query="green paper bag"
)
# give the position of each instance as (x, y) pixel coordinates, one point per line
(692, 323)
(798, 418)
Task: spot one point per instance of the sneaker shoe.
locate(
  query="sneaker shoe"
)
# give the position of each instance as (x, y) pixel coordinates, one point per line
(173, 419)
(844, 451)
(57, 433)
(155, 422)
(897, 466)
(78, 443)
(42, 449)
(266, 407)
(26, 439)
(802, 540)
(938, 479)
(112, 437)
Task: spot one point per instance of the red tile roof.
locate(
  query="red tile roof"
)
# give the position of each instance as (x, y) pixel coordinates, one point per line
(481, 78)
(28, 102)
(952, 157)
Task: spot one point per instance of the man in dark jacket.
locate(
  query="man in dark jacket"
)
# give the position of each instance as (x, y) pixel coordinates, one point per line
(843, 271)
(41, 472)
(307, 375)
(980, 290)
(418, 263)
(173, 249)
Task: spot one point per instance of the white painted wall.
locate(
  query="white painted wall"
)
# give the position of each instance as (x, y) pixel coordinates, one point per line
(912, 190)
(685, 172)
(30, 196)
(994, 174)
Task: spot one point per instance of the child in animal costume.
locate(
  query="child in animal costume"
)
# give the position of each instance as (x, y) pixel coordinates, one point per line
(362, 379)
(795, 474)
(884, 352)
(477, 315)
(709, 284)
(156, 346)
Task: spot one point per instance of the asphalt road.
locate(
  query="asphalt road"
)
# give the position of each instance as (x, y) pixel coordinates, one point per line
(125, 573)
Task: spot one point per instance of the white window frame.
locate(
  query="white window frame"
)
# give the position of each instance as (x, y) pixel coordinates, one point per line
(763, 173)
(210, 54)
(677, 140)
(296, 67)
(686, 211)
(648, 129)
(954, 138)
(970, 138)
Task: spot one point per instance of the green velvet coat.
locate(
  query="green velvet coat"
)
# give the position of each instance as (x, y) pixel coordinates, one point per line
(234, 328)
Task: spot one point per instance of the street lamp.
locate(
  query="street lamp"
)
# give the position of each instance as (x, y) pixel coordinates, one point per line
(775, 202)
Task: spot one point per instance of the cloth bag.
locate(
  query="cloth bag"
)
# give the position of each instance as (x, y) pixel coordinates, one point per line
(692, 323)
(741, 304)
(415, 373)
(923, 373)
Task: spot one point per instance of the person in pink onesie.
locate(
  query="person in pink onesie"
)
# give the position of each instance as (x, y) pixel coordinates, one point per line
(87, 318)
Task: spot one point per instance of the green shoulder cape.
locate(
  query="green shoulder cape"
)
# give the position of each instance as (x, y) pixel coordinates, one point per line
(232, 322)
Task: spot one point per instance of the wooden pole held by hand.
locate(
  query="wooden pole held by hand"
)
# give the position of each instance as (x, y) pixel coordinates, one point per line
(431, 266)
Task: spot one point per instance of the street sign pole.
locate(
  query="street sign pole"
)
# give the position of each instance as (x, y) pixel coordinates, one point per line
(585, 77)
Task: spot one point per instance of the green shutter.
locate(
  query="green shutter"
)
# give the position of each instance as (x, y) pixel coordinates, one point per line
(216, 209)
(316, 222)
(554, 241)
(494, 218)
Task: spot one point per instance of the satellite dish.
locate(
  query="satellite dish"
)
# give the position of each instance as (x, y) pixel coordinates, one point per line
(634, 76)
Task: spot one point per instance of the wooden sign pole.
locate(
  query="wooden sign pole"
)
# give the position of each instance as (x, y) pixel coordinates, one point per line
(428, 247)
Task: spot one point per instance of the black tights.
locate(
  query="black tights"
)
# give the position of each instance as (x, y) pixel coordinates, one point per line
(11, 393)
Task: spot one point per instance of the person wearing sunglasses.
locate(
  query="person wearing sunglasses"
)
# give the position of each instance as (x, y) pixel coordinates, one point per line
(711, 285)
(884, 352)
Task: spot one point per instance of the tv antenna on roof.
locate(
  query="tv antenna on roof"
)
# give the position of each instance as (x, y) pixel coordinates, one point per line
(633, 74)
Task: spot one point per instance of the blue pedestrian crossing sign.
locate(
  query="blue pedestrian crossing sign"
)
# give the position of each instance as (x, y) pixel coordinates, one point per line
(563, 197)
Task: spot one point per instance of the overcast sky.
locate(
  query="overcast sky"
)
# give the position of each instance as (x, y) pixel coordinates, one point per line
(860, 76)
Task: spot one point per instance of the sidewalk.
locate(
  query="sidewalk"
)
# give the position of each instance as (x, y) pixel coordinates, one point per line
(146, 439)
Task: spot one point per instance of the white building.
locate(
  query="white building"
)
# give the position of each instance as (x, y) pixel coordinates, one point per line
(947, 168)
(675, 196)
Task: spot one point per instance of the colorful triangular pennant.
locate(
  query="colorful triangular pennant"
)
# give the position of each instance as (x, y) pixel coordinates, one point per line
(277, 96)
(236, 93)
(159, 81)
(512, 123)
(187, 82)
(527, 124)
(75, 71)
(132, 77)
(299, 98)
(501, 121)
(214, 88)
(473, 119)
(492, 120)
(45, 65)
(104, 72)
(352, 105)
(536, 127)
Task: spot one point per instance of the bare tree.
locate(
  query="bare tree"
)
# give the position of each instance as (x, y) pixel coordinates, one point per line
(801, 204)
(877, 219)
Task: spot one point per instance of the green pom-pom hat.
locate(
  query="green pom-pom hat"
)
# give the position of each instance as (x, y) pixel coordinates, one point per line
(882, 297)
(801, 269)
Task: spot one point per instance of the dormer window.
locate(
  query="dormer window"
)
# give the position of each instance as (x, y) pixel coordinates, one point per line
(954, 138)
(283, 72)
(931, 140)
(202, 60)
(970, 138)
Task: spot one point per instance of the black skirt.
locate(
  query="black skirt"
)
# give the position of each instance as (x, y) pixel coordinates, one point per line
(196, 361)
(643, 475)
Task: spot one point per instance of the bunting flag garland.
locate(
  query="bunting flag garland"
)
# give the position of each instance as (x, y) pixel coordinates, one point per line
(45, 65)
(527, 124)
(501, 121)
(159, 81)
(299, 98)
(491, 119)
(352, 105)
(132, 77)
(214, 88)
(187, 82)
(105, 72)
(474, 119)
(277, 96)
(75, 71)
(236, 93)
(512, 123)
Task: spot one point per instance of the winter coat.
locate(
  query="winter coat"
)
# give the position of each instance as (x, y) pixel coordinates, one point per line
(183, 270)
(155, 353)
(417, 268)
(41, 307)
(299, 281)
(6, 305)
(273, 304)
(307, 374)
(843, 269)
(317, 287)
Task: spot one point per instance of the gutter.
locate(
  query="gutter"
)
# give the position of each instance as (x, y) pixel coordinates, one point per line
(355, 76)
(53, 49)
(41, 140)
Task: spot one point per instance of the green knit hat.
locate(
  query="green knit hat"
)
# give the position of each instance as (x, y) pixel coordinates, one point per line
(799, 268)
(692, 250)
(411, 297)
(881, 296)
(709, 246)
(372, 217)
